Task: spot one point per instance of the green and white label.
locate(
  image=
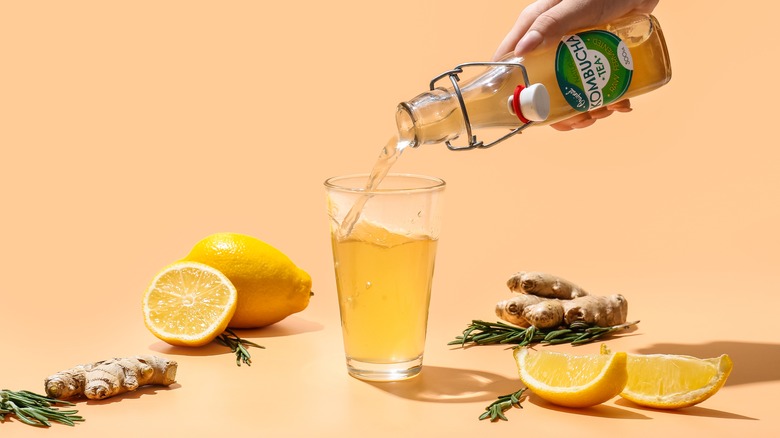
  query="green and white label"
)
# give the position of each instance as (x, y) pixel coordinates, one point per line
(593, 68)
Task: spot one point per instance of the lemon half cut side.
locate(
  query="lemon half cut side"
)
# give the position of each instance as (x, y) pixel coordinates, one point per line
(189, 304)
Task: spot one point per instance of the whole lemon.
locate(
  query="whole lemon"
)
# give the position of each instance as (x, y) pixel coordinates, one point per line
(270, 286)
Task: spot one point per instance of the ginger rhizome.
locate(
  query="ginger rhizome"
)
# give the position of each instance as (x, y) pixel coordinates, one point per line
(547, 301)
(107, 378)
(544, 285)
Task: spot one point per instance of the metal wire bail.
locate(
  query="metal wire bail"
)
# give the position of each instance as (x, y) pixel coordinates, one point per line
(454, 79)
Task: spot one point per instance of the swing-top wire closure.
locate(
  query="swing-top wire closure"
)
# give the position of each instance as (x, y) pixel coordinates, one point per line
(453, 75)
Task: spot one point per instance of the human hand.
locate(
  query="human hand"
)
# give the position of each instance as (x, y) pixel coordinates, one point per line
(543, 23)
(587, 118)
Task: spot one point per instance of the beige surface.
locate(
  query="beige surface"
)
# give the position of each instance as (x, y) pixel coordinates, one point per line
(127, 133)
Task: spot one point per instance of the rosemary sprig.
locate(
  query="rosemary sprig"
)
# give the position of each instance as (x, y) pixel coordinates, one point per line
(495, 410)
(487, 333)
(35, 409)
(231, 340)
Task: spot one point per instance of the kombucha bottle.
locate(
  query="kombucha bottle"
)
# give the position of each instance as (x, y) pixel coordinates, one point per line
(587, 69)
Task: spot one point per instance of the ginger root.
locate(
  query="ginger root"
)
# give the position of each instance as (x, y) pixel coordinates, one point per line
(603, 311)
(547, 301)
(110, 377)
(544, 285)
(527, 310)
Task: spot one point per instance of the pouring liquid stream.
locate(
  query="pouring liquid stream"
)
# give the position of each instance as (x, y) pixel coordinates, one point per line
(387, 157)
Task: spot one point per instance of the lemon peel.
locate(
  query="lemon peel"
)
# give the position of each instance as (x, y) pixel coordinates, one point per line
(574, 381)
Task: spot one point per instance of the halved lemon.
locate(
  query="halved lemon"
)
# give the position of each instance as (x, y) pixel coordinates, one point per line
(669, 381)
(574, 381)
(189, 304)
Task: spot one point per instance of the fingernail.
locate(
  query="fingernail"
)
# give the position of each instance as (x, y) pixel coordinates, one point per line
(528, 42)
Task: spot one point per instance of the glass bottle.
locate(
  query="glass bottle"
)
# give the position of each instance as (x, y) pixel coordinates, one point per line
(588, 69)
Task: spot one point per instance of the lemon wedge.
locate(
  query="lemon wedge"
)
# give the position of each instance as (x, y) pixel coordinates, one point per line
(667, 381)
(574, 381)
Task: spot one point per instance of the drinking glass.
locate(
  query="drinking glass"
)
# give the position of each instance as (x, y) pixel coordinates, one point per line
(384, 247)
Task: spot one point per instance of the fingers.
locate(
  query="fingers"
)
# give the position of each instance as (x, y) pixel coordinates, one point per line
(645, 7)
(583, 120)
(623, 106)
(522, 24)
(569, 124)
(544, 22)
(550, 25)
(566, 16)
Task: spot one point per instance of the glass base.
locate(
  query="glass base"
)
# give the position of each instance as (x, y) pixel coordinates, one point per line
(384, 372)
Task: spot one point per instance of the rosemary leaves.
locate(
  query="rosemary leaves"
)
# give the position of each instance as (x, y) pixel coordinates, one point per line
(487, 333)
(35, 409)
(495, 410)
(231, 340)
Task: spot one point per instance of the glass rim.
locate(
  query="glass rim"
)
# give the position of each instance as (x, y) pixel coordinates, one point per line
(428, 183)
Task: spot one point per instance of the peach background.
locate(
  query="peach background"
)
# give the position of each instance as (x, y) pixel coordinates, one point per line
(130, 130)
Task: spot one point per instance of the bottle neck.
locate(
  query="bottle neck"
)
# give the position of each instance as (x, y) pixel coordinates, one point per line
(497, 98)
(429, 118)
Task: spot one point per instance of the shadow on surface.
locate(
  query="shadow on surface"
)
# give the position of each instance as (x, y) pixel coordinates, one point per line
(291, 325)
(599, 411)
(693, 411)
(138, 393)
(451, 385)
(211, 349)
(455, 385)
(753, 362)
